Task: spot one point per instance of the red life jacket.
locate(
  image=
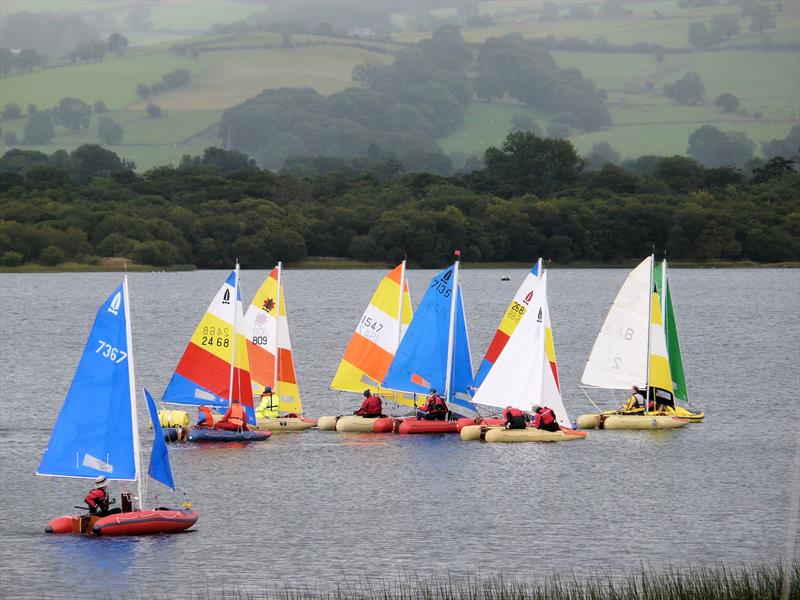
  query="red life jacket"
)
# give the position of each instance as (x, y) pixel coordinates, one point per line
(512, 412)
(208, 415)
(372, 405)
(436, 404)
(98, 497)
(546, 415)
(237, 415)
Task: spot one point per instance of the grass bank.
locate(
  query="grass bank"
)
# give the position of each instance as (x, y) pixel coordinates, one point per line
(333, 262)
(700, 583)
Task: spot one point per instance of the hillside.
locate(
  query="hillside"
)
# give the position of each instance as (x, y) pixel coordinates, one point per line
(227, 69)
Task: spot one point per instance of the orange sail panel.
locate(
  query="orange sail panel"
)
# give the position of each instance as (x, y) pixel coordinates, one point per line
(267, 331)
(203, 374)
(374, 343)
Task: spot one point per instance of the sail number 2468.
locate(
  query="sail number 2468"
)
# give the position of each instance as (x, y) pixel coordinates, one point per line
(110, 352)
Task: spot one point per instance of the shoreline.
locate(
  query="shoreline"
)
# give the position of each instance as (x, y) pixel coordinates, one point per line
(329, 263)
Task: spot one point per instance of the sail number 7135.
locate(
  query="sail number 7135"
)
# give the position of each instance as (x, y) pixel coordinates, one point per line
(441, 287)
(111, 352)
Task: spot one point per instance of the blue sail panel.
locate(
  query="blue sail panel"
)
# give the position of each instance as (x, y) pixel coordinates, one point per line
(182, 390)
(159, 468)
(420, 361)
(93, 434)
(462, 364)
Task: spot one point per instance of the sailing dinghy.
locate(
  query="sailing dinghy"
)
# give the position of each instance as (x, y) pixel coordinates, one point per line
(370, 352)
(524, 372)
(434, 353)
(631, 350)
(269, 351)
(214, 369)
(96, 432)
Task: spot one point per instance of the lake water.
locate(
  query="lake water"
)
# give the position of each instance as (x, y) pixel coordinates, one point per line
(319, 508)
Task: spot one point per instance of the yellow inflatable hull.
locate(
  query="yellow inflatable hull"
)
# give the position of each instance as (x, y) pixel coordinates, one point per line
(640, 422)
(529, 434)
(354, 423)
(327, 423)
(283, 424)
(592, 420)
(471, 433)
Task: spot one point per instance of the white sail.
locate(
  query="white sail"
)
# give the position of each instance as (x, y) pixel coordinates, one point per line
(524, 374)
(619, 357)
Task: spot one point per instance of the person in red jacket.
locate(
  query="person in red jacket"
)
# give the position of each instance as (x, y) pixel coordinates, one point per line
(434, 409)
(544, 418)
(515, 418)
(99, 500)
(371, 407)
(205, 418)
(235, 419)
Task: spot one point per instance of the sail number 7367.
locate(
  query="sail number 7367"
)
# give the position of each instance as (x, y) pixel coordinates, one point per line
(111, 352)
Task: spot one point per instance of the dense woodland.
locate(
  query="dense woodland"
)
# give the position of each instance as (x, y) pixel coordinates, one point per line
(533, 198)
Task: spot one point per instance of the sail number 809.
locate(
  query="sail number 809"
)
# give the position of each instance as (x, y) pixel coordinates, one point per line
(111, 352)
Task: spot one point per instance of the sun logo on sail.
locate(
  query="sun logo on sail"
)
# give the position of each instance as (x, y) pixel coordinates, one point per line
(527, 298)
(115, 302)
(268, 305)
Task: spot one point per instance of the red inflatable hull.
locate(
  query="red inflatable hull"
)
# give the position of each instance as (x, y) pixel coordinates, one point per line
(489, 422)
(415, 426)
(137, 522)
(383, 425)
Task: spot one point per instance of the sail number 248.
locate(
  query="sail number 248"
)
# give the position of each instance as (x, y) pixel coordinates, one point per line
(110, 352)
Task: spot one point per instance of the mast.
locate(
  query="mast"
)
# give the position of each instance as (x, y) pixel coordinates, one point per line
(649, 330)
(451, 329)
(233, 344)
(663, 300)
(277, 335)
(137, 459)
(400, 319)
(539, 267)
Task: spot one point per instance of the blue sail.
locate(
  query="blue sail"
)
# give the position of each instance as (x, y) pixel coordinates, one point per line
(420, 362)
(159, 468)
(93, 434)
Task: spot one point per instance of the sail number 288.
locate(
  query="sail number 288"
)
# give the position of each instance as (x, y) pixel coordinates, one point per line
(111, 352)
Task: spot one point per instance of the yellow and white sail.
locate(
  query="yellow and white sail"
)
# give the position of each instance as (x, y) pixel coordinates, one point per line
(269, 346)
(376, 338)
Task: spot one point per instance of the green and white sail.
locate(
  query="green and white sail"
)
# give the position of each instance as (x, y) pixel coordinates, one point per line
(671, 332)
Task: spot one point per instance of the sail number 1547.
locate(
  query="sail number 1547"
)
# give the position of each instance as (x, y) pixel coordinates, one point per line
(111, 352)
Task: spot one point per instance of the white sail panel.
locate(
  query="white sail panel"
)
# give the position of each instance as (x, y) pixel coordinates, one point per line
(551, 386)
(618, 358)
(516, 377)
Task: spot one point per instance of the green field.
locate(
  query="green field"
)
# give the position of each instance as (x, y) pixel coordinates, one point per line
(229, 68)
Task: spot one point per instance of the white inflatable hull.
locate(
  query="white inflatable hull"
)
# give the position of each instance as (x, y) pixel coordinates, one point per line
(327, 423)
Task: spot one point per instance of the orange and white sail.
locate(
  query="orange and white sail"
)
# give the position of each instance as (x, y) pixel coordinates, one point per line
(376, 338)
(269, 346)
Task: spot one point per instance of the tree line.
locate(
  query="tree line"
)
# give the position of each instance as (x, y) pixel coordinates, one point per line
(533, 198)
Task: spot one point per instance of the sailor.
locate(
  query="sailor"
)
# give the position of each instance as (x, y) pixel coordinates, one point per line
(371, 407)
(270, 404)
(235, 418)
(205, 418)
(434, 409)
(515, 418)
(635, 402)
(544, 418)
(98, 499)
